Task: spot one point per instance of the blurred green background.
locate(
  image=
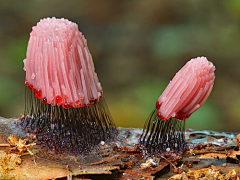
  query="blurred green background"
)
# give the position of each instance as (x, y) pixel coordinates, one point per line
(137, 47)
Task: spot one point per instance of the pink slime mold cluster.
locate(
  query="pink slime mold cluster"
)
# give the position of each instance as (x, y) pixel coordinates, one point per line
(59, 67)
(187, 91)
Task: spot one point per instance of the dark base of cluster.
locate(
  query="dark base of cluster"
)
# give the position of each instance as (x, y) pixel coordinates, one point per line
(163, 137)
(71, 131)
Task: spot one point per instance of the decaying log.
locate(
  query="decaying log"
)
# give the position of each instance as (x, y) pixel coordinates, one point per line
(210, 154)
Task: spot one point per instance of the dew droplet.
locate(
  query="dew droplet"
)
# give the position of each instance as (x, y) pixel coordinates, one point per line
(81, 95)
(158, 105)
(173, 114)
(102, 143)
(59, 100)
(67, 105)
(38, 94)
(77, 102)
(44, 100)
(163, 98)
(33, 76)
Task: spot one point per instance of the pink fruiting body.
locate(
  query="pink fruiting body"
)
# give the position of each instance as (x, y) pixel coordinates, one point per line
(164, 130)
(59, 67)
(187, 91)
(64, 107)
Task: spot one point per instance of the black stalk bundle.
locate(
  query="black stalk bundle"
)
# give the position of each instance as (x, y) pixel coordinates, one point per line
(162, 137)
(73, 130)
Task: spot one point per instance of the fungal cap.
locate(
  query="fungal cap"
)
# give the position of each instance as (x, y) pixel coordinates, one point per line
(59, 67)
(188, 90)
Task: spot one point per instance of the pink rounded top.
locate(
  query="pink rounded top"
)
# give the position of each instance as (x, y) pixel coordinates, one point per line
(187, 91)
(59, 67)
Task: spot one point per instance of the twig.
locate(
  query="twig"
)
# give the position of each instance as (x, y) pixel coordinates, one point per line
(106, 160)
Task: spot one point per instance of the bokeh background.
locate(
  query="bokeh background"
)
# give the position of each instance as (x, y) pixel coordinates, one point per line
(137, 47)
